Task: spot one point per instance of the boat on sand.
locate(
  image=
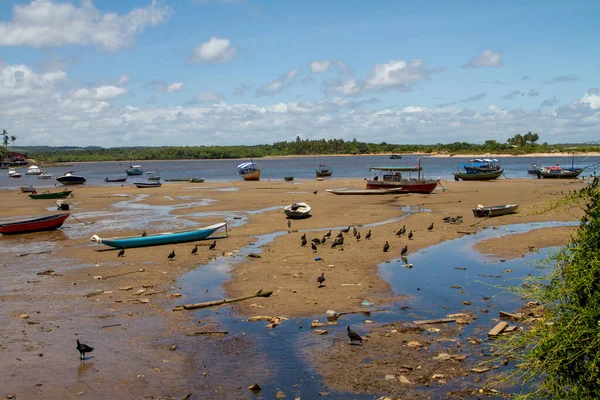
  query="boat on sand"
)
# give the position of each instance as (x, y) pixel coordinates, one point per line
(34, 225)
(297, 210)
(494, 211)
(49, 195)
(160, 238)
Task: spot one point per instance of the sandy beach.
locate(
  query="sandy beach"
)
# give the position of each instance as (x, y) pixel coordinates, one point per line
(123, 306)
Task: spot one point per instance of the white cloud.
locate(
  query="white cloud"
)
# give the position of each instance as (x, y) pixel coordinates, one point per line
(397, 74)
(350, 87)
(241, 90)
(552, 101)
(277, 85)
(123, 79)
(169, 88)
(487, 59)
(101, 93)
(47, 23)
(593, 100)
(216, 50)
(207, 96)
(317, 67)
(21, 81)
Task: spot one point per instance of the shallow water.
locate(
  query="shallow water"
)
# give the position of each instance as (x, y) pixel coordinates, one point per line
(429, 287)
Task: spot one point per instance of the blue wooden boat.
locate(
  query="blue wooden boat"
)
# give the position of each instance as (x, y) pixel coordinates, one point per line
(159, 238)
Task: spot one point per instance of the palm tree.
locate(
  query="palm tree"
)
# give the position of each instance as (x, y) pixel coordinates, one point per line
(12, 139)
(5, 138)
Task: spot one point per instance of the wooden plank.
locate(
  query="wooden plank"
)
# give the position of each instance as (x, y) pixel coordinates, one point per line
(501, 326)
(434, 321)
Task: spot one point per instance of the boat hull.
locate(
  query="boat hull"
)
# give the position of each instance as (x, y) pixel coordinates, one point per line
(143, 185)
(251, 176)
(159, 238)
(563, 174)
(478, 176)
(115, 180)
(57, 195)
(71, 180)
(302, 211)
(34, 225)
(408, 186)
(495, 211)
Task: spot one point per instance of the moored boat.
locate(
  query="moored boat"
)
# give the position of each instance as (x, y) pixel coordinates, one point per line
(13, 173)
(399, 190)
(391, 178)
(288, 178)
(143, 185)
(27, 189)
(160, 238)
(33, 170)
(153, 176)
(478, 176)
(70, 179)
(323, 171)
(196, 180)
(134, 170)
(249, 171)
(115, 179)
(395, 156)
(34, 225)
(297, 210)
(55, 195)
(557, 172)
(45, 175)
(494, 211)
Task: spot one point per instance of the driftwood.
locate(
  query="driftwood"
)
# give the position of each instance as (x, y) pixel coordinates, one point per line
(213, 303)
(199, 333)
(34, 252)
(434, 321)
(498, 329)
(124, 273)
(110, 326)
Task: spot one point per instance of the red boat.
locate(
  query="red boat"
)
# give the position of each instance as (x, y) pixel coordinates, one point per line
(391, 178)
(34, 225)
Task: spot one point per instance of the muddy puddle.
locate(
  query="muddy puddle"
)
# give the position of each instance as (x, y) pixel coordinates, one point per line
(440, 280)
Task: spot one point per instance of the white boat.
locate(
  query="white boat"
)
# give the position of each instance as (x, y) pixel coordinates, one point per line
(13, 173)
(297, 210)
(153, 176)
(33, 170)
(44, 175)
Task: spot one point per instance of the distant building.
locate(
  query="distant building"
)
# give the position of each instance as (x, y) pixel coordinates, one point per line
(15, 159)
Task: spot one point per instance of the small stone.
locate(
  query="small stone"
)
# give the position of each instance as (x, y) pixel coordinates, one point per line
(390, 377)
(174, 347)
(320, 331)
(254, 387)
(403, 379)
(24, 316)
(279, 394)
(98, 277)
(414, 343)
(126, 288)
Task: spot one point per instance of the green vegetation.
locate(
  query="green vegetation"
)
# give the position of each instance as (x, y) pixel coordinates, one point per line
(559, 356)
(298, 147)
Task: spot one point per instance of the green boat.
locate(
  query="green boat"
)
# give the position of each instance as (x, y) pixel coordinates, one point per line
(56, 195)
(159, 238)
(478, 176)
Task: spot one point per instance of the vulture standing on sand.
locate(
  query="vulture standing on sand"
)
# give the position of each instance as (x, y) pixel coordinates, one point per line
(303, 241)
(368, 236)
(430, 227)
(313, 247)
(321, 279)
(195, 250)
(171, 255)
(386, 247)
(354, 337)
(121, 253)
(410, 235)
(83, 348)
(404, 250)
(212, 245)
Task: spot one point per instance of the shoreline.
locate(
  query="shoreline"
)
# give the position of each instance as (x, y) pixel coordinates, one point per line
(134, 333)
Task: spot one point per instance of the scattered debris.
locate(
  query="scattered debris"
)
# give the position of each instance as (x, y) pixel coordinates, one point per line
(498, 329)
(194, 306)
(254, 387)
(46, 272)
(434, 321)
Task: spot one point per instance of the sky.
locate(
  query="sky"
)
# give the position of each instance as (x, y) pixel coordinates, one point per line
(116, 73)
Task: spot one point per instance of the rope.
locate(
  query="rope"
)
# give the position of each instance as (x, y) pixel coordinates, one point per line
(83, 222)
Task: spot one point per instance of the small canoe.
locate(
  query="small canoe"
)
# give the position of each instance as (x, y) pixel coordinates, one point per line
(55, 195)
(159, 238)
(288, 178)
(177, 180)
(147, 184)
(478, 176)
(34, 225)
(115, 179)
(369, 191)
(494, 211)
(297, 210)
(196, 180)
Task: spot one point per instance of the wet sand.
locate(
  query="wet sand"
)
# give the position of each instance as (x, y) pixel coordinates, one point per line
(134, 330)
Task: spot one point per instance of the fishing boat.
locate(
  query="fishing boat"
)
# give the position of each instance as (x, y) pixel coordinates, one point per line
(391, 178)
(481, 165)
(494, 211)
(177, 180)
(477, 176)
(134, 170)
(297, 210)
(34, 225)
(115, 179)
(27, 189)
(323, 171)
(13, 173)
(557, 172)
(288, 178)
(48, 195)
(395, 156)
(343, 192)
(45, 175)
(533, 169)
(160, 238)
(33, 170)
(249, 171)
(143, 185)
(70, 179)
(196, 180)
(153, 176)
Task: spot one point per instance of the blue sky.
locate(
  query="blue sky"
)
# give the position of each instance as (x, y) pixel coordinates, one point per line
(210, 72)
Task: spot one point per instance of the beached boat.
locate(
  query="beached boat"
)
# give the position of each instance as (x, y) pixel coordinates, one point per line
(153, 176)
(34, 225)
(45, 175)
(323, 171)
(533, 169)
(395, 156)
(27, 189)
(33, 170)
(115, 179)
(196, 180)
(297, 210)
(478, 176)
(481, 165)
(557, 172)
(134, 170)
(399, 190)
(143, 185)
(391, 178)
(249, 171)
(13, 173)
(70, 179)
(55, 195)
(494, 211)
(288, 178)
(160, 238)
(177, 180)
